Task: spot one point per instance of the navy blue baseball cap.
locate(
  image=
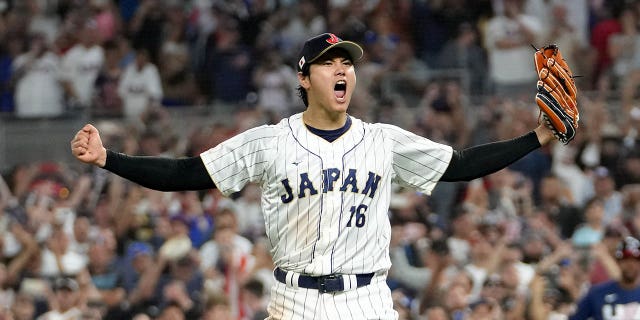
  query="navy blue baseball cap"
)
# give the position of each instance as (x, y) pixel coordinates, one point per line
(315, 47)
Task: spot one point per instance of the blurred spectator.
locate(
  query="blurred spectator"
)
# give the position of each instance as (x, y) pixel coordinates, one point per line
(44, 19)
(604, 267)
(248, 210)
(608, 25)
(57, 258)
(226, 259)
(485, 258)
(171, 311)
(605, 190)
(592, 230)
(564, 166)
(436, 313)
(23, 307)
(275, 83)
(456, 298)
(254, 304)
(141, 273)
(178, 79)
(81, 236)
(465, 53)
(615, 298)
(191, 215)
(140, 86)
(409, 270)
(547, 302)
(105, 275)
(10, 48)
(217, 308)
(459, 240)
(624, 51)
(555, 201)
(64, 304)
(263, 264)
(442, 109)
(11, 272)
(38, 68)
(107, 101)
(508, 40)
(406, 75)
(81, 65)
(107, 19)
(225, 237)
(303, 20)
(229, 66)
(146, 27)
(430, 29)
(179, 296)
(349, 19)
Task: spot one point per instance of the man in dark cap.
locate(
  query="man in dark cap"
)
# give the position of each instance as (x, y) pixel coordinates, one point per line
(618, 298)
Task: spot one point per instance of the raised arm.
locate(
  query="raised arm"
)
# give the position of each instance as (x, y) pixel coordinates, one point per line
(158, 173)
(479, 161)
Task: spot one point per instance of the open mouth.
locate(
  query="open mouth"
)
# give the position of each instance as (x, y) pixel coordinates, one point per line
(340, 89)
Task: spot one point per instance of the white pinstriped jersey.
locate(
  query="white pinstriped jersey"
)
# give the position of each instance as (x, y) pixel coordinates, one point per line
(325, 204)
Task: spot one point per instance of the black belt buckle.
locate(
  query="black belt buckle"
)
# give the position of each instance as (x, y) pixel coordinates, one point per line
(330, 283)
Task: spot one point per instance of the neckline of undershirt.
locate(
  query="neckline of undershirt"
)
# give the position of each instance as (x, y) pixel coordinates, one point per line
(331, 135)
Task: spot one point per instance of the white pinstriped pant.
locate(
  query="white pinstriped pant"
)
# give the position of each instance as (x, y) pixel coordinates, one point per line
(368, 302)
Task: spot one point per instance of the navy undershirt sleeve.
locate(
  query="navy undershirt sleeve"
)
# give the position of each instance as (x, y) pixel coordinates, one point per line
(481, 160)
(159, 173)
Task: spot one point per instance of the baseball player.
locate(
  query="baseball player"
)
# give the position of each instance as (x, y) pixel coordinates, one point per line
(326, 185)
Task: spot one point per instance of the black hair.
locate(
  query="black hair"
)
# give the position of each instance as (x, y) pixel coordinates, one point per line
(302, 93)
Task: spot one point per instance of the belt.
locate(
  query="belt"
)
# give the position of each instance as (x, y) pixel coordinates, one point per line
(324, 284)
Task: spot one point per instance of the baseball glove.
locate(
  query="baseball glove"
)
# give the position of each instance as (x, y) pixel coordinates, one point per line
(557, 93)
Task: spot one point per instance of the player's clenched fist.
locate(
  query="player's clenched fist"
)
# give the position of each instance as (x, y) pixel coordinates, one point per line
(87, 146)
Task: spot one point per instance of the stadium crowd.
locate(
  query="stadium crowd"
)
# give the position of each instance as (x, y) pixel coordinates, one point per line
(526, 242)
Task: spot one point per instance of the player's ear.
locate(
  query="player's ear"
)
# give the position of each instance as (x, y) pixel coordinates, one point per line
(304, 80)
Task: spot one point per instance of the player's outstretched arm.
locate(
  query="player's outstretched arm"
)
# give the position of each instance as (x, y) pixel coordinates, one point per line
(87, 146)
(158, 173)
(481, 160)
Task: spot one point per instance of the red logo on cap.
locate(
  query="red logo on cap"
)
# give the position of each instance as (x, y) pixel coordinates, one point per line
(333, 39)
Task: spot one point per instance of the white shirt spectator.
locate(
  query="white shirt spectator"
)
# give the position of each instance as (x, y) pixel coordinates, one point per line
(276, 89)
(41, 75)
(72, 263)
(248, 211)
(138, 88)
(210, 251)
(81, 66)
(513, 64)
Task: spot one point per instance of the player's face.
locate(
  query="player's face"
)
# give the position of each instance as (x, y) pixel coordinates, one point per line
(330, 82)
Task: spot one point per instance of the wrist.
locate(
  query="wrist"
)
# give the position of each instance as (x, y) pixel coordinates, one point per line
(102, 158)
(543, 134)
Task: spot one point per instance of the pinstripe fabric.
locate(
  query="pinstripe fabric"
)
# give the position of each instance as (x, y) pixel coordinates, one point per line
(326, 204)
